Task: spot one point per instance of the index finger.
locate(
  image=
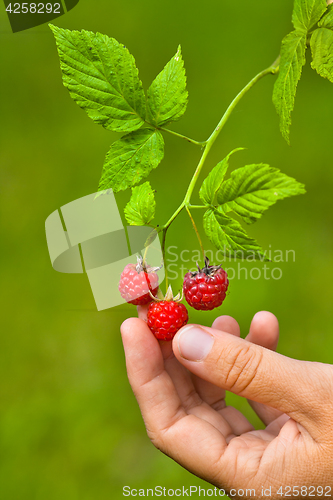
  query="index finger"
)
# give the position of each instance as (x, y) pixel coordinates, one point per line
(142, 312)
(191, 441)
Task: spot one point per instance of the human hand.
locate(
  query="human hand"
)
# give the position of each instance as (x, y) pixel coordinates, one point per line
(183, 406)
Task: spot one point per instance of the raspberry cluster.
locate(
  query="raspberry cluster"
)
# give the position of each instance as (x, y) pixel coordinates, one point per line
(204, 290)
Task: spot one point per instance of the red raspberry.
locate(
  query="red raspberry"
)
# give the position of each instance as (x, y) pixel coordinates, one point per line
(206, 288)
(136, 281)
(166, 316)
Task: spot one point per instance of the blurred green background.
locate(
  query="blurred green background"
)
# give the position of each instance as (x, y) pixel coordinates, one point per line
(70, 426)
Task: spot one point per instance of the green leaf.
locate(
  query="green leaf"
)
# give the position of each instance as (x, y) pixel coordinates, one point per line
(167, 95)
(307, 13)
(253, 189)
(229, 236)
(322, 52)
(131, 159)
(102, 78)
(140, 210)
(292, 60)
(213, 182)
(327, 20)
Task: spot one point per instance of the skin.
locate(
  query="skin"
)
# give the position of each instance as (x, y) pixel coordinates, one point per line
(186, 417)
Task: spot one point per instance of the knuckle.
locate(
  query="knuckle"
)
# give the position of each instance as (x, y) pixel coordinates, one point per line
(241, 367)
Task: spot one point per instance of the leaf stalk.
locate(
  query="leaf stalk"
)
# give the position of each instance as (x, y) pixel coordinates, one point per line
(188, 139)
(196, 232)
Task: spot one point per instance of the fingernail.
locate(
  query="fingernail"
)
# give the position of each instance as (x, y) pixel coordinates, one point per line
(194, 343)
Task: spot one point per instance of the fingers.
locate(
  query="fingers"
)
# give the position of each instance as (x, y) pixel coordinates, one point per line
(198, 396)
(276, 425)
(237, 421)
(227, 324)
(142, 312)
(186, 437)
(179, 375)
(254, 372)
(188, 395)
(265, 413)
(212, 394)
(264, 330)
(151, 384)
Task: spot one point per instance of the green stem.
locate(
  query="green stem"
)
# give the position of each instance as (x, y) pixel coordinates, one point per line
(271, 70)
(172, 218)
(212, 138)
(182, 136)
(196, 232)
(196, 174)
(164, 260)
(145, 254)
(196, 206)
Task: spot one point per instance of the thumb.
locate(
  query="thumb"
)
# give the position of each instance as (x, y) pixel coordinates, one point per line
(298, 388)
